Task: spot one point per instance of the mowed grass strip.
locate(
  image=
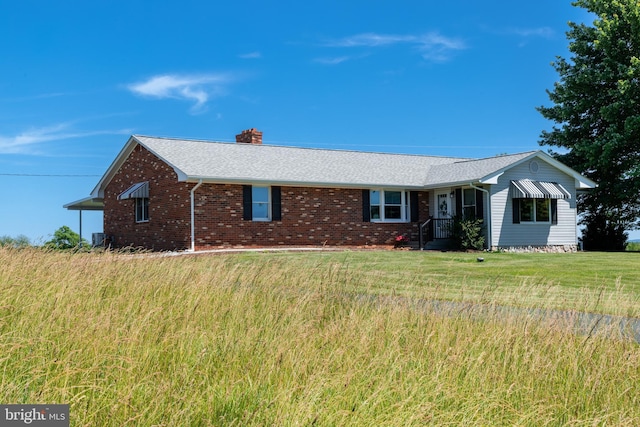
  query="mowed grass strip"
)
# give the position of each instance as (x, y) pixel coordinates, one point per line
(606, 283)
(287, 339)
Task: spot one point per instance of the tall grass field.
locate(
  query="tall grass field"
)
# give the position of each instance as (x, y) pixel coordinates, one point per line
(325, 339)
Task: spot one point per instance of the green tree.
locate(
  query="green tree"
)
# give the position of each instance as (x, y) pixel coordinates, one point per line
(65, 238)
(20, 241)
(597, 118)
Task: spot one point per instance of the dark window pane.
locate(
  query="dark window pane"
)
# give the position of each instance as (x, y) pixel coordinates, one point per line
(526, 210)
(392, 212)
(392, 197)
(542, 210)
(375, 212)
(469, 212)
(469, 197)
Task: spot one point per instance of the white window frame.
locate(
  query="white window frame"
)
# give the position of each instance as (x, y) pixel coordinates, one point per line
(142, 215)
(535, 211)
(255, 202)
(405, 208)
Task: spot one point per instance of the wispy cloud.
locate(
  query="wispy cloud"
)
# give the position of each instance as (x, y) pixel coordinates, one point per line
(431, 46)
(522, 35)
(544, 32)
(332, 60)
(250, 55)
(196, 88)
(28, 142)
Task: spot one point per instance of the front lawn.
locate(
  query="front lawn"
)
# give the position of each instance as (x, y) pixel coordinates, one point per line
(586, 281)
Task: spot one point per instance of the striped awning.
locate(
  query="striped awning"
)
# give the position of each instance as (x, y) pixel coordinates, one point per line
(528, 189)
(136, 191)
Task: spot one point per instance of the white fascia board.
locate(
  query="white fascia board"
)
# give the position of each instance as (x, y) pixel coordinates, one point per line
(491, 179)
(585, 184)
(446, 185)
(98, 191)
(182, 176)
(582, 182)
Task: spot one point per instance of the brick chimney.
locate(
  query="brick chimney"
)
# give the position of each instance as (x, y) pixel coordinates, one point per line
(249, 136)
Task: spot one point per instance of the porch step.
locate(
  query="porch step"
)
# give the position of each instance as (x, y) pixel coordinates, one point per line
(439, 245)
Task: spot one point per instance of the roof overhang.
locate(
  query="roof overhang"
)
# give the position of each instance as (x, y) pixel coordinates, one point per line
(86, 204)
(582, 182)
(132, 142)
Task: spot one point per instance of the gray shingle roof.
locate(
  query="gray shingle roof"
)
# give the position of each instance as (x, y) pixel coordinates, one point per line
(234, 162)
(472, 170)
(224, 162)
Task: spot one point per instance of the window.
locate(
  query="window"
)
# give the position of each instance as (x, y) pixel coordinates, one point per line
(534, 210)
(469, 203)
(139, 192)
(389, 205)
(142, 209)
(260, 203)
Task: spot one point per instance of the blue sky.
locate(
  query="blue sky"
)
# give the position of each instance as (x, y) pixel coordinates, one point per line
(77, 78)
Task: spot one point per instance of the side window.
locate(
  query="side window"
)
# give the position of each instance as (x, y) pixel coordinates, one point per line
(142, 209)
(139, 192)
(260, 203)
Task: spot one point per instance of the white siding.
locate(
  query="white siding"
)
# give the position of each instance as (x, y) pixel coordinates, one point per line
(505, 233)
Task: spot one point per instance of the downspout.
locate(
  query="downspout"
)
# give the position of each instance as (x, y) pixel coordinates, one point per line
(489, 210)
(193, 216)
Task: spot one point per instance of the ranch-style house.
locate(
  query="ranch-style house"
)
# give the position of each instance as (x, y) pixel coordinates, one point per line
(176, 194)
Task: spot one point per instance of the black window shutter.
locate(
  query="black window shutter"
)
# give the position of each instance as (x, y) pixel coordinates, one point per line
(554, 211)
(516, 210)
(415, 207)
(479, 204)
(366, 208)
(459, 202)
(247, 206)
(276, 208)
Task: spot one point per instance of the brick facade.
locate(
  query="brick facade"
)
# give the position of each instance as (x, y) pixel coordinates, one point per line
(169, 225)
(310, 216)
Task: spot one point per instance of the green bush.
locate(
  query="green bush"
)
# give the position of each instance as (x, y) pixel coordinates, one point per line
(65, 238)
(633, 246)
(468, 234)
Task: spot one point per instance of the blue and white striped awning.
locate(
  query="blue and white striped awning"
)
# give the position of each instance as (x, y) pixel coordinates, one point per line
(528, 189)
(136, 191)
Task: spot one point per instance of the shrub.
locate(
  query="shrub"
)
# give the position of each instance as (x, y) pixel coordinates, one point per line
(467, 234)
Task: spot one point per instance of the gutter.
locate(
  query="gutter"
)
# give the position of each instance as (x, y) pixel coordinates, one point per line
(489, 209)
(193, 226)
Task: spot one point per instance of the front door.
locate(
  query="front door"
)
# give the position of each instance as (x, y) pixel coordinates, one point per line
(443, 212)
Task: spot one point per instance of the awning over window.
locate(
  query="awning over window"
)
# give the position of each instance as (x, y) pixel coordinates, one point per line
(528, 189)
(136, 191)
